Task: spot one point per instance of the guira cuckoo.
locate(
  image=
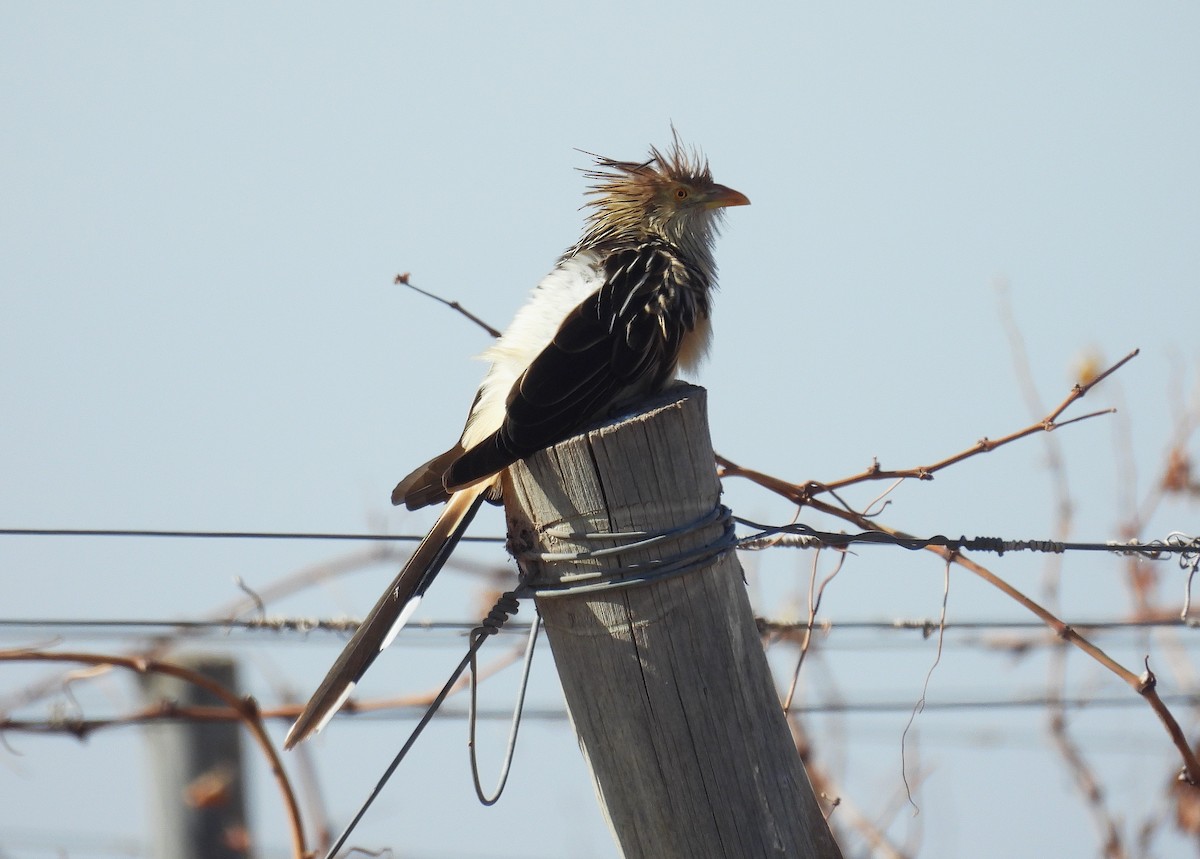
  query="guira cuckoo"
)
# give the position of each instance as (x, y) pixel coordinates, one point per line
(619, 314)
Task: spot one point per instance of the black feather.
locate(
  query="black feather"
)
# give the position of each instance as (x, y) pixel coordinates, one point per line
(619, 344)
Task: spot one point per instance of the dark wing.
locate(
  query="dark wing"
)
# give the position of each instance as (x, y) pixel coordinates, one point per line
(620, 343)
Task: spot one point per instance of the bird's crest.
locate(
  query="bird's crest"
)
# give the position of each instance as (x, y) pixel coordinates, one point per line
(617, 182)
(635, 200)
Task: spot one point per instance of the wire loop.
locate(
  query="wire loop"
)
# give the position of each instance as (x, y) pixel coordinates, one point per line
(1189, 559)
(483, 631)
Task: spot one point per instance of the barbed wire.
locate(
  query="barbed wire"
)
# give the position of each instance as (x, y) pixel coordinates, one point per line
(897, 706)
(153, 627)
(804, 536)
(149, 626)
(1176, 543)
(558, 713)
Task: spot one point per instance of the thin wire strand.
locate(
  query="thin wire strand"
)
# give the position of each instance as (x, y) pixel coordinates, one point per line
(400, 755)
(504, 608)
(227, 535)
(1177, 544)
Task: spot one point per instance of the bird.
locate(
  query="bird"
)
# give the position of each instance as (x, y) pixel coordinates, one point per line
(620, 313)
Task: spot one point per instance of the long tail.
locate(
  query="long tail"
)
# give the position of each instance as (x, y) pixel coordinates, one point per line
(390, 613)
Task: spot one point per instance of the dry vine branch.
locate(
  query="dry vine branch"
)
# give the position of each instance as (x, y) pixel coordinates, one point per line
(246, 708)
(814, 604)
(919, 706)
(165, 711)
(159, 646)
(1143, 684)
(1089, 785)
(1057, 725)
(80, 727)
(803, 494)
(417, 699)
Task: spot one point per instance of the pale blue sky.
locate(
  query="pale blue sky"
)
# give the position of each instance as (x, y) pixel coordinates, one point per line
(201, 213)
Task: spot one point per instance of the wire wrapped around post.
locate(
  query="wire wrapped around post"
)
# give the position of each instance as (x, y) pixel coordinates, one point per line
(621, 534)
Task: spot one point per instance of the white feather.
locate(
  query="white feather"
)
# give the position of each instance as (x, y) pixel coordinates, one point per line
(531, 331)
(405, 613)
(341, 699)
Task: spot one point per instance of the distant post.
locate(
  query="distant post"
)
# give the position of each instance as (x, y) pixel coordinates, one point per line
(666, 682)
(199, 804)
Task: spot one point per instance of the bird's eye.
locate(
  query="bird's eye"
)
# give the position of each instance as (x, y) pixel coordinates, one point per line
(681, 193)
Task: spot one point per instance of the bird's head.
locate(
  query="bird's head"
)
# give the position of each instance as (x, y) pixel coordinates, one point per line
(671, 196)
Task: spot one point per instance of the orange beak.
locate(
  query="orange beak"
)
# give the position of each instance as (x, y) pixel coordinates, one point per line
(720, 196)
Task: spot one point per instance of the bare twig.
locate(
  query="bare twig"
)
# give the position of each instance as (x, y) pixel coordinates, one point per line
(814, 603)
(417, 699)
(159, 646)
(919, 707)
(246, 708)
(1072, 756)
(453, 305)
(1055, 464)
(803, 493)
(1088, 785)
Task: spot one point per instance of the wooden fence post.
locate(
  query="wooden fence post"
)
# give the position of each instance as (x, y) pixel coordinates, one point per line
(666, 682)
